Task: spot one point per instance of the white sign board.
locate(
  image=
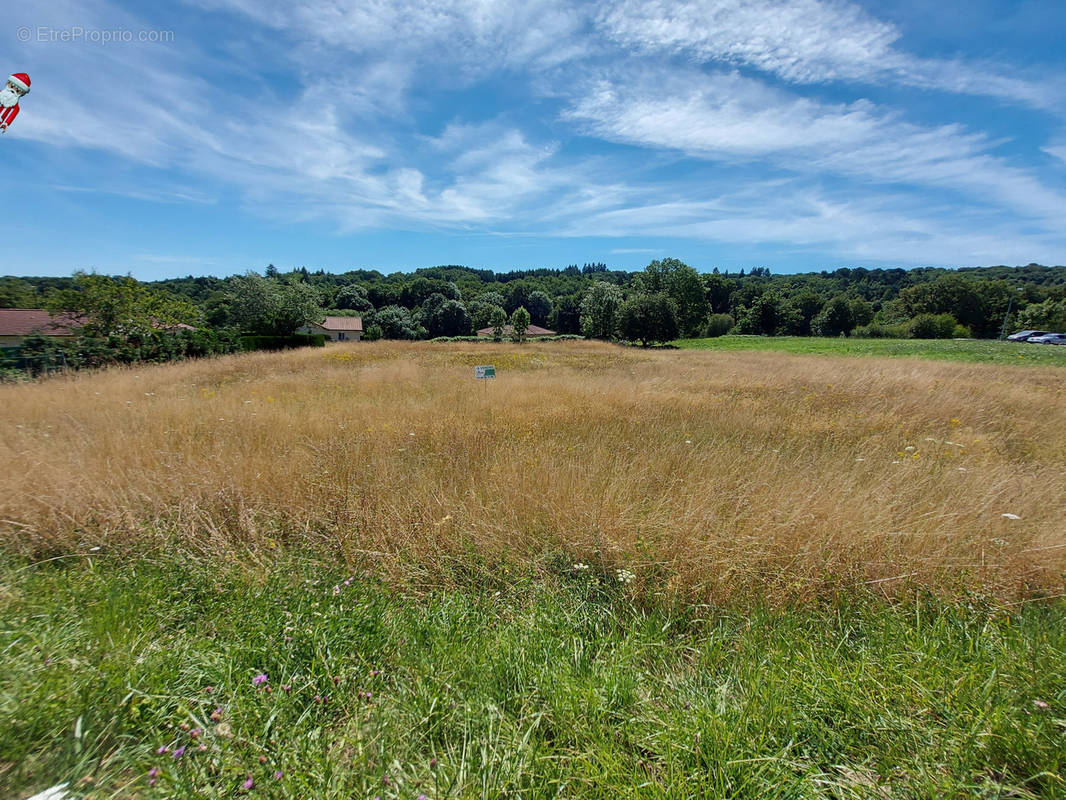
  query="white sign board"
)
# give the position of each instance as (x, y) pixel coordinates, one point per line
(487, 371)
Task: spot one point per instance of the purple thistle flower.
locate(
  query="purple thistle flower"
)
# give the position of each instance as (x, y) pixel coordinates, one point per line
(151, 781)
(277, 775)
(153, 772)
(162, 750)
(248, 784)
(258, 679)
(422, 797)
(179, 752)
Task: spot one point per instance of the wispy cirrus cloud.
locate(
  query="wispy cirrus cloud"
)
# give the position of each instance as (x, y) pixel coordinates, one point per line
(806, 41)
(727, 117)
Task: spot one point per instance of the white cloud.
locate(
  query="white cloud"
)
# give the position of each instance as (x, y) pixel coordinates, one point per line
(735, 119)
(803, 41)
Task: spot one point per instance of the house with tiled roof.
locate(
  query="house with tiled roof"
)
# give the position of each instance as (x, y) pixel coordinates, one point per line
(18, 323)
(532, 331)
(336, 329)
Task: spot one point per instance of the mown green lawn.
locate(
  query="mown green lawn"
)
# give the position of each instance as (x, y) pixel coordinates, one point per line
(975, 350)
(140, 679)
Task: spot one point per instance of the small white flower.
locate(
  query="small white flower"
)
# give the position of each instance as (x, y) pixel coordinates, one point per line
(580, 567)
(909, 448)
(624, 576)
(1010, 516)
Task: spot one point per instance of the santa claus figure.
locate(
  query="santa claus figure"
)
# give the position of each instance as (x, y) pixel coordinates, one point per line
(18, 85)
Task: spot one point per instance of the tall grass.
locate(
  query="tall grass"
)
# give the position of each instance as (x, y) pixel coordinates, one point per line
(719, 476)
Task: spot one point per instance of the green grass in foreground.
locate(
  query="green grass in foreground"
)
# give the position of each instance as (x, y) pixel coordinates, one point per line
(975, 350)
(556, 688)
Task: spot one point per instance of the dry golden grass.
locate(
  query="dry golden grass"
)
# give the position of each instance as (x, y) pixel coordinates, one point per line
(719, 476)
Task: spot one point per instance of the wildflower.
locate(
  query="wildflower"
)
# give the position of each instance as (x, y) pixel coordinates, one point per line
(151, 781)
(1041, 705)
(288, 638)
(422, 797)
(259, 679)
(277, 775)
(153, 772)
(248, 784)
(209, 689)
(433, 763)
(162, 750)
(184, 726)
(336, 590)
(580, 567)
(195, 732)
(624, 576)
(262, 759)
(179, 752)
(202, 748)
(216, 715)
(286, 687)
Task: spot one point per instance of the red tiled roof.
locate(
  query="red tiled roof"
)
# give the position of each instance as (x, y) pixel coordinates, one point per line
(342, 323)
(532, 330)
(27, 321)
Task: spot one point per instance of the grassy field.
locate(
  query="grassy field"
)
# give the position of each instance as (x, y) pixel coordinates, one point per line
(971, 350)
(137, 678)
(607, 572)
(713, 477)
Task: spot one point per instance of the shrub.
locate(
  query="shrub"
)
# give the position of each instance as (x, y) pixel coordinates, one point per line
(373, 333)
(880, 330)
(932, 326)
(249, 343)
(718, 325)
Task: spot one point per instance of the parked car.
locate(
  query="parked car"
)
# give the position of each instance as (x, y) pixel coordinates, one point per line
(1024, 336)
(1049, 338)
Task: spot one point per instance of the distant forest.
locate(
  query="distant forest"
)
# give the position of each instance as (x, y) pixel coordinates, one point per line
(666, 300)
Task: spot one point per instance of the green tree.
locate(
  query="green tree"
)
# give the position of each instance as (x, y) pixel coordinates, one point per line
(834, 319)
(770, 314)
(719, 291)
(599, 310)
(447, 318)
(539, 306)
(684, 286)
(497, 320)
(396, 322)
(648, 318)
(519, 324)
(17, 293)
(353, 297)
(1050, 315)
(808, 304)
(121, 306)
(862, 313)
(480, 313)
(268, 307)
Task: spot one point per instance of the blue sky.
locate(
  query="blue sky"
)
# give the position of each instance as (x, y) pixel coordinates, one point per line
(216, 136)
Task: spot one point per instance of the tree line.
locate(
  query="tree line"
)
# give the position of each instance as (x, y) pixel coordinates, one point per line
(666, 300)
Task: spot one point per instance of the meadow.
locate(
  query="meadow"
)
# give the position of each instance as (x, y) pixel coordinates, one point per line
(978, 351)
(359, 572)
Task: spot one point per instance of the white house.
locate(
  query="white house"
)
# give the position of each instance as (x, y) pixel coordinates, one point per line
(336, 329)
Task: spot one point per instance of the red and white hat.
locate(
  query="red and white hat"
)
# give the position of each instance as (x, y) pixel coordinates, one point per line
(21, 80)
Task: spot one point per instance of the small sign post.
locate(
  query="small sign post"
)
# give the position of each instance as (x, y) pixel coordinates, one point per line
(483, 372)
